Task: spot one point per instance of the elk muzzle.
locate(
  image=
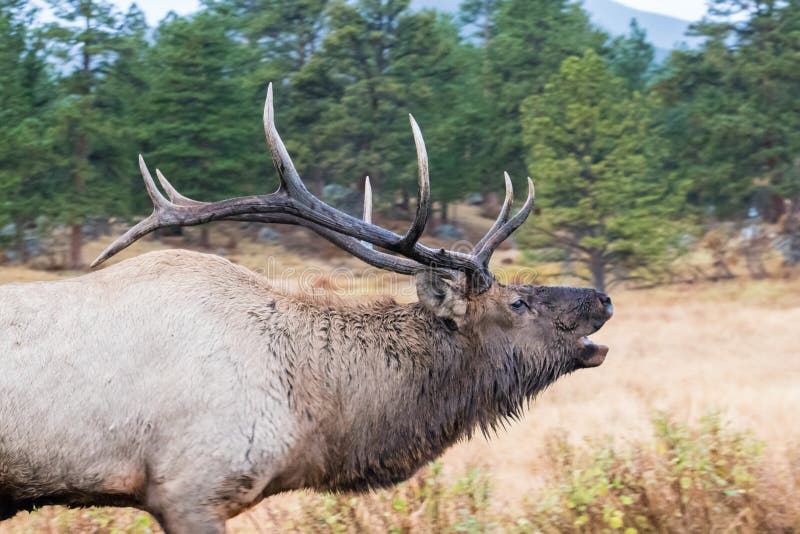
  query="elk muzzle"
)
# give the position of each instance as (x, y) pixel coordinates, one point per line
(592, 354)
(579, 313)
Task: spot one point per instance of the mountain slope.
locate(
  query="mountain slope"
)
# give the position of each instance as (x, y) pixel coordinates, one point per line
(663, 31)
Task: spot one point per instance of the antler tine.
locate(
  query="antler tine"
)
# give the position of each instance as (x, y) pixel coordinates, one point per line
(367, 207)
(502, 217)
(175, 197)
(424, 196)
(290, 179)
(349, 244)
(292, 203)
(485, 253)
(152, 191)
(183, 210)
(329, 217)
(293, 184)
(143, 227)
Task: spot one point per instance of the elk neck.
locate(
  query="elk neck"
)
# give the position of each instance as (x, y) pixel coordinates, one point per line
(383, 388)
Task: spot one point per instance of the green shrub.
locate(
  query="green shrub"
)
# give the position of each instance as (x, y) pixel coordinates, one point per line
(426, 503)
(689, 479)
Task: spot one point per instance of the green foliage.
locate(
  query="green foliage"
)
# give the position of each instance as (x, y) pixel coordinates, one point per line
(101, 521)
(203, 132)
(704, 477)
(730, 107)
(123, 131)
(715, 128)
(26, 90)
(593, 151)
(378, 62)
(279, 41)
(285, 34)
(631, 58)
(84, 37)
(526, 41)
(85, 178)
(689, 479)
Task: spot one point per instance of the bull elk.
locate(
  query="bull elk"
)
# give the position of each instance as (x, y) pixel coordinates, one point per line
(186, 386)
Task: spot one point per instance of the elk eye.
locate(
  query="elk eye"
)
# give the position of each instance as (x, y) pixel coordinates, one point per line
(519, 304)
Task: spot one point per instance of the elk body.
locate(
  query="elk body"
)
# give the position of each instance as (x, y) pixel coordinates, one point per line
(184, 385)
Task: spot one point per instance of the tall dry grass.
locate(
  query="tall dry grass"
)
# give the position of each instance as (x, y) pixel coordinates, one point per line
(702, 478)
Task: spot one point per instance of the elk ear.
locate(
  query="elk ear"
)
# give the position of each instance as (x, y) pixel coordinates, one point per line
(442, 296)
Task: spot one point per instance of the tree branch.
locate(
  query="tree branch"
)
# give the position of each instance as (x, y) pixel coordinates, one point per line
(565, 241)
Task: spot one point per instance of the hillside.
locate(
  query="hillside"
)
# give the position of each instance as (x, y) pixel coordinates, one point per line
(663, 31)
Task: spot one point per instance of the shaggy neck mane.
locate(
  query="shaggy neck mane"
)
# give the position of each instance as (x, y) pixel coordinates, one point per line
(406, 387)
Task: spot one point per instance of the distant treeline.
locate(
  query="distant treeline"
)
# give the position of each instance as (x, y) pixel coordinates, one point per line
(622, 150)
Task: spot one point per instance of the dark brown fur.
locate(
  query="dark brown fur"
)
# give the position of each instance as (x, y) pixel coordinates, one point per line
(407, 384)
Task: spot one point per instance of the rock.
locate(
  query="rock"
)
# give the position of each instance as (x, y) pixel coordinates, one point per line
(9, 230)
(343, 198)
(448, 231)
(267, 235)
(95, 227)
(475, 199)
(32, 244)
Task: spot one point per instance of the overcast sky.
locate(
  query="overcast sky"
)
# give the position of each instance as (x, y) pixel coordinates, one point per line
(683, 9)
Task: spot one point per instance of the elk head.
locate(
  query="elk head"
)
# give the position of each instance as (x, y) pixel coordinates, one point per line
(533, 322)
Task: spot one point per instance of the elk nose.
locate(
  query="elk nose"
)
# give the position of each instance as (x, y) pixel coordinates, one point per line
(605, 302)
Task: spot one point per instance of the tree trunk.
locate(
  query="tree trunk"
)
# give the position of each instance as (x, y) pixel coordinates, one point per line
(444, 213)
(491, 204)
(22, 249)
(79, 186)
(205, 241)
(75, 247)
(598, 268)
(405, 200)
(82, 154)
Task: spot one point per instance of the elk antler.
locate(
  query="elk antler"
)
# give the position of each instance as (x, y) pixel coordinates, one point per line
(502, 227)
(292, 203)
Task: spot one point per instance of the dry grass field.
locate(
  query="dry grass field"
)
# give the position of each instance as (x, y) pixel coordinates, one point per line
(685, 350)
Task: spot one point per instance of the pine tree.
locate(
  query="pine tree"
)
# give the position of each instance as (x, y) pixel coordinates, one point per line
(452, 117)
(284, 34)
(631, 57)
(25, 93)
(203, 130)
(364, 117)
(523, 42)
(604, 202)
(379, 62)
(121, 98)
(85, 35)
(283, 39)
(479, 16)
(731, 108)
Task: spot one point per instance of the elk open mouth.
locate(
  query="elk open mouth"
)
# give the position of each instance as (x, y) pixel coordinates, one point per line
(591, 354)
